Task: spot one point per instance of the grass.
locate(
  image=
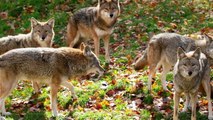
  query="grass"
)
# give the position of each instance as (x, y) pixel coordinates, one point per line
(124, 85)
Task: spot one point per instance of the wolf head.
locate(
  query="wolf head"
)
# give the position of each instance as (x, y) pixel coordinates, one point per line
(209, 45)
(189, 63)
(93, 62)
(109, 10)
(43, 32)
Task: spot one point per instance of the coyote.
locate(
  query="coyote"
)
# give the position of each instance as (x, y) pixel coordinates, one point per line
(190, 72)
(94, 23)
(41, 35)
(162, 51)
(53, 66)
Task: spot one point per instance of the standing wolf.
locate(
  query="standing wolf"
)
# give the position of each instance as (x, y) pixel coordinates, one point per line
(45, 65)
(94, 23)
(190, 72)
(162, 51)
(41, 35)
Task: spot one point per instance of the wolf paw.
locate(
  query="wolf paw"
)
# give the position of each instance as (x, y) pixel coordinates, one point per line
(175, 118)
(210, 117)
(107, 59)
(54, 113)
(184, 110)
(165, 89)
(75, 97)
(6, 113)
(2, 118)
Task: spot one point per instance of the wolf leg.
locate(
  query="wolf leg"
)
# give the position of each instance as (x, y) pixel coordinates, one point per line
(96, 44)
(186, 105)
(36, 87)
(166, 69)
(8, 78)
(70, 87)
(207, 88)
(193, 97)
(53, 98)
(152, 70)
(2, 107)
(72, 34)
(153, 58)
(176, 104)
(106, 46)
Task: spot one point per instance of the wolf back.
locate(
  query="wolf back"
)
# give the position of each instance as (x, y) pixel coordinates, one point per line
(45, 65)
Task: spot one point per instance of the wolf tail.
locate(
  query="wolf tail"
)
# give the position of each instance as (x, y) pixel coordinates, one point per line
(78, 43)
(141, 62)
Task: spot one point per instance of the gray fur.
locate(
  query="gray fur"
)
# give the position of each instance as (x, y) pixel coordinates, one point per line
(93, 23)
(191, 71)
(45, 65)
(39, 30)
(162, 51)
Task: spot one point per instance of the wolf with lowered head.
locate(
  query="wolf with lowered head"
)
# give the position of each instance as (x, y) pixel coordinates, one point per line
(41, 35)
(45, 65)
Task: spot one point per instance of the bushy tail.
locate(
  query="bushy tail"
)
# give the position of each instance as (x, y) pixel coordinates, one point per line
(78, 43)
(141, 62)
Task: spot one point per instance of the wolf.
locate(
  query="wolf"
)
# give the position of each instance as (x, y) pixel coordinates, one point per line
(190, 72)
(51, 66)
(93, 23)
(41, 35)
(161, 51)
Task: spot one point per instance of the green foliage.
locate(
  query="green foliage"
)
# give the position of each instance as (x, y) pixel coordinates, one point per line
(148, 99)
(35, 116)
(145, 114)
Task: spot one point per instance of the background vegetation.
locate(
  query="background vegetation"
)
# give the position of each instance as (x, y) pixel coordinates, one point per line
(122, 92)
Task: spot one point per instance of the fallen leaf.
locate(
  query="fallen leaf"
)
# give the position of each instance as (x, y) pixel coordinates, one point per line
(3, 15)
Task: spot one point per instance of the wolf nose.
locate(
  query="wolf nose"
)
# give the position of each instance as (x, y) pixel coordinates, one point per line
(190, 73)
(111, 15)
(43, 37)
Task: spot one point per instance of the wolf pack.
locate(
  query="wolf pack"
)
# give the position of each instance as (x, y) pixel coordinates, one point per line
(32, 57)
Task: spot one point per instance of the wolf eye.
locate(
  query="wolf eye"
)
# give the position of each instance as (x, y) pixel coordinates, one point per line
(193, 65)
(38, 31)
(106, 9)
(46, 31)
(113, 9)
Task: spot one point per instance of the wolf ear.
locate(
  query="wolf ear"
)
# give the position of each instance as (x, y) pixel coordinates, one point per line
(119, 8)
(197, 53)
(99, 3)
(87, 51)
(180, 53)
(82, 46)
(51, 22)
(34, 22)
(207, 37)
